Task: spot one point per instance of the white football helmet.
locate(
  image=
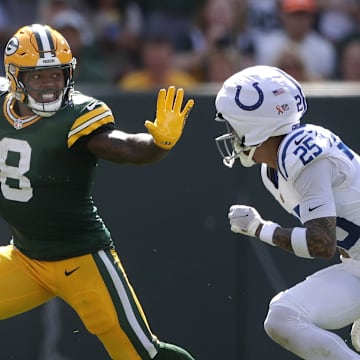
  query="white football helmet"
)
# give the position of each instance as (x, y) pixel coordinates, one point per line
(256, 103)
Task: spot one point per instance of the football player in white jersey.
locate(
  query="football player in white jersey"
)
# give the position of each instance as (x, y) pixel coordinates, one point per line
(262, 107)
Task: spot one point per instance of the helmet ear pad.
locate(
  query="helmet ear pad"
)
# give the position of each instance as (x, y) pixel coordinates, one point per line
(260, 102)
(15, 83)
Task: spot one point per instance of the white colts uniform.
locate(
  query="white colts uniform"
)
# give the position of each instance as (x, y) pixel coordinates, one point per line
(319, 176)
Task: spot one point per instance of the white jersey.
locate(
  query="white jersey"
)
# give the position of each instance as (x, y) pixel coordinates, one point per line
(318, 176)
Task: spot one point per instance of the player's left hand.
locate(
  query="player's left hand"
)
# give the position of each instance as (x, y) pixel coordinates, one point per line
(170, 119)
(244, 219)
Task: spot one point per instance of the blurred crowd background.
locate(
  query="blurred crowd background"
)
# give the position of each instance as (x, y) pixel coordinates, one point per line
(147, 44)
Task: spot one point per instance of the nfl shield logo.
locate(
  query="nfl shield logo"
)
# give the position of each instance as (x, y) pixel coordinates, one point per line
(17, 124)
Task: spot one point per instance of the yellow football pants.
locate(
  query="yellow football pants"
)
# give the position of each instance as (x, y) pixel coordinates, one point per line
(94, 285)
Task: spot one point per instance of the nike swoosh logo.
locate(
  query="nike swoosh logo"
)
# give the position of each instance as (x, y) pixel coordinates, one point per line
(315, 207)
(91, 106)
(297, 142)
(68, 273)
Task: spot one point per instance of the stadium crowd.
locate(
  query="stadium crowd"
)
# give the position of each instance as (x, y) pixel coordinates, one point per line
(143, 44)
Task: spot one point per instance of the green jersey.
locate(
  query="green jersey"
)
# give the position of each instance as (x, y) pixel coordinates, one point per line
(46, 178)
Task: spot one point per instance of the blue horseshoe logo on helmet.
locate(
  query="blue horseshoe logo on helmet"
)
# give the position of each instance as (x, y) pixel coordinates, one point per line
(249, 107)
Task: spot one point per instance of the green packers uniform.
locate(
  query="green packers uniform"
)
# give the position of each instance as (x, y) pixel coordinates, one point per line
(60, 247)
(46, 178)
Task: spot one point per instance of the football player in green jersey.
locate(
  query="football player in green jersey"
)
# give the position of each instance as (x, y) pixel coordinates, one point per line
(51, 137)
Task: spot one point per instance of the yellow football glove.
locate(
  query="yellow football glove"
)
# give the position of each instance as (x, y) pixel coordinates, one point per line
(170, 120)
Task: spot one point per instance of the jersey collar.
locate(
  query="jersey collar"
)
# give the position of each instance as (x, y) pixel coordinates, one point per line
(18, 122)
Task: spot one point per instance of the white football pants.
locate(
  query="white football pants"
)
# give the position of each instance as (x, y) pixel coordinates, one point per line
(300, 317)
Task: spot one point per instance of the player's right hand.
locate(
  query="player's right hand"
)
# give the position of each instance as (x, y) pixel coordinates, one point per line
(244, 219)
(170, 119)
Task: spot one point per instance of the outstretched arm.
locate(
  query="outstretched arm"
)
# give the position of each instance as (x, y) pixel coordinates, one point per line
(124, 148)
(141, 148)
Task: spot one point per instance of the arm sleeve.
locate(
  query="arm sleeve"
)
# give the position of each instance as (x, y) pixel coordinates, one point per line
(314, 186)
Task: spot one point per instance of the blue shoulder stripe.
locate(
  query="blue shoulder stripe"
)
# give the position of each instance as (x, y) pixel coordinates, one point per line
(281, 157)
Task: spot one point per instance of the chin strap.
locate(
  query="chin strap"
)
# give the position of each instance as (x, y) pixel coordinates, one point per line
(46, 109)
(247, 159)
(42, 112)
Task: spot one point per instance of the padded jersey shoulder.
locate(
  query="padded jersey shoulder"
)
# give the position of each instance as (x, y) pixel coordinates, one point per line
(89, 114)
(301, 147)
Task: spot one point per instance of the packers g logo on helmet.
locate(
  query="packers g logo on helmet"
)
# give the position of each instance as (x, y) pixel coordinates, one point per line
(12, 46)
(37, 47)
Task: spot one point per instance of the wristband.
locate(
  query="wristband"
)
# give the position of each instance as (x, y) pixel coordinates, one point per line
(267, 232)
(299, 243)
